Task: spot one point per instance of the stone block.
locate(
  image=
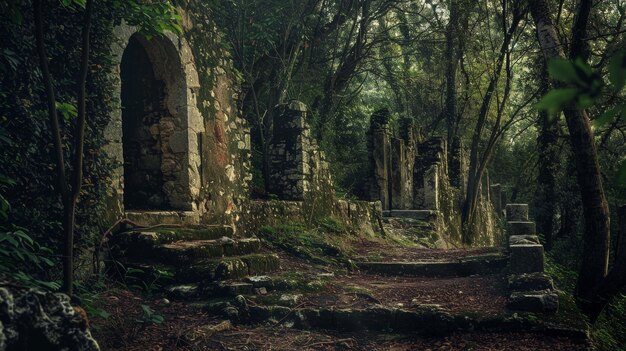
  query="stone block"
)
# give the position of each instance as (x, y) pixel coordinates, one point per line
(523, 239)
(527, 258)
(517, 212)
(521, 228)
(534, 301)
(530, 282)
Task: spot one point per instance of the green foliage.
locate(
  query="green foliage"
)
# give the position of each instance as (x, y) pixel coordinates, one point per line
(20, 255)
(584, 88)
(145, 281)
(153, 18)
(149, 316)
(67, 110)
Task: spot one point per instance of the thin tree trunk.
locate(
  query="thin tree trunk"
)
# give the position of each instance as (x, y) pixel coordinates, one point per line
(548, 164)
(595, 207)
(79, 138)
(475, 169)
(451, 57)
(69, 194)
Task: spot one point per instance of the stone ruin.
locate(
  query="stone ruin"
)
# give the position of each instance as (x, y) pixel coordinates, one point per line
(184, 155)
(531, 289)
(424, 179)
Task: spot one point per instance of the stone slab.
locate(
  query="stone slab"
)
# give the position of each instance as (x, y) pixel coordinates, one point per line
(526, 258)
(530, 282)
(523, 239)
(534, 301)
(520, 228)
(461, 268)
(517, 212)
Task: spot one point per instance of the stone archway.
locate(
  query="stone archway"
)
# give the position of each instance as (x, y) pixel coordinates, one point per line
(154, 135)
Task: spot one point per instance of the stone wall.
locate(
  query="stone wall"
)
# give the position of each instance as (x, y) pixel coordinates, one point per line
(199, 140)
(363, 215)
(298, 168)
(408, 173)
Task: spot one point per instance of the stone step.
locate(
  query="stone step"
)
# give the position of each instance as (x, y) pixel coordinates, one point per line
(381, 319)
(151, 218)
(182, 252)
(530, 282)
(520, 228)
(422, 215)
(526, 258)
(138, 242)
(534, 301)
(208, 270)
(478, 265)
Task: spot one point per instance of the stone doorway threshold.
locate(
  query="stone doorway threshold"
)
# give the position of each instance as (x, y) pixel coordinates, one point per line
(151, 218)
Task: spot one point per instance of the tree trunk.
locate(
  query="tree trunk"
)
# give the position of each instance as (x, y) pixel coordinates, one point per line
(548, 164)
(69, 194)
(451, 57)
(477, 166)
(595, 207)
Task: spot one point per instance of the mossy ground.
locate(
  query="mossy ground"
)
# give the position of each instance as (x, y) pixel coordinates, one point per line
(609, 332)
(328, 241)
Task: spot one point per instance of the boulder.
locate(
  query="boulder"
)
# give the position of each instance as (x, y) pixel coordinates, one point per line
(36, 320)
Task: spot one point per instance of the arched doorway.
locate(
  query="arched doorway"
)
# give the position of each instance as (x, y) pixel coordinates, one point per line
(154, 133)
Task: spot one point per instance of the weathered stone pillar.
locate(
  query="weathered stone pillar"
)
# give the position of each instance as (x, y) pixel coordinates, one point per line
(380, 159)
(289, 152)
(397, 173)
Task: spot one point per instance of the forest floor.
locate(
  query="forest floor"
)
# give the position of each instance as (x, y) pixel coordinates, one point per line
(126, 328)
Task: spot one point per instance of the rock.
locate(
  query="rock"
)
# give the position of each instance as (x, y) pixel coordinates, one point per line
(260, 291)
(527, 258)
(289, 300)
(230, 312)
(516, 212)
(261, 281)
(523, 239)
(226, 240)
(201, 335)
(535, 301)
(37, 320)
(530, 282)
(234, 289)
(182, 291)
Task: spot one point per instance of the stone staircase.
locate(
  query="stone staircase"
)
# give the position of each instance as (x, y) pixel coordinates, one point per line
(531, 289)
(419, 226)
(200, 261)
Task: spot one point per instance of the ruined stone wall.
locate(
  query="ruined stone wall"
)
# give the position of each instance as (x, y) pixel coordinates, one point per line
(298, 168)
(363, 215)
(407, 173)
(301, 180)
(203, 142)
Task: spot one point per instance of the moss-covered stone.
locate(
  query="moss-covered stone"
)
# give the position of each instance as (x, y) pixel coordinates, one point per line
(261, 263)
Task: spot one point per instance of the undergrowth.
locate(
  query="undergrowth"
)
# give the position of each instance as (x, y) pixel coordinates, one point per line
(609, 331)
